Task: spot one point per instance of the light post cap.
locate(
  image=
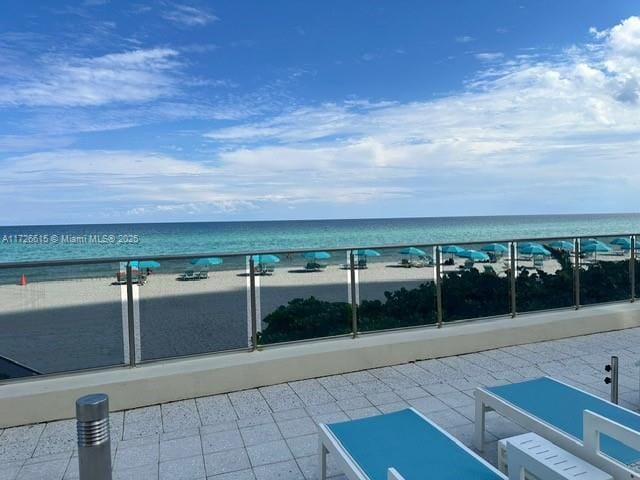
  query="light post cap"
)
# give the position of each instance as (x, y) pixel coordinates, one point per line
(91, 408)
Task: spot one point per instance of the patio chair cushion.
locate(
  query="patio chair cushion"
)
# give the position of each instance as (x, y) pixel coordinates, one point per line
(561, 406)
(415, 448)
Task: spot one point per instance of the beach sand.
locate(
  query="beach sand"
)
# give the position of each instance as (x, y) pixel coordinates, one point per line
(63, 325)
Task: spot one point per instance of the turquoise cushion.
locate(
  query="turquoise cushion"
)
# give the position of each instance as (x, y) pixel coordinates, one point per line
(561, 406)
(415, 448)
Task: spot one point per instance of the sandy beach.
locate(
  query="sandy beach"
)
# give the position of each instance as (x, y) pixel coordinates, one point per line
(60, 325)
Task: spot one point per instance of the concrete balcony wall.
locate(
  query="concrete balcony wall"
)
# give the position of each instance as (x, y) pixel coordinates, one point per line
(52, 398)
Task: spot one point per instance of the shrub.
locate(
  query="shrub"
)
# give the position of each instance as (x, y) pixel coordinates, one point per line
(306, 318)
(465, 294)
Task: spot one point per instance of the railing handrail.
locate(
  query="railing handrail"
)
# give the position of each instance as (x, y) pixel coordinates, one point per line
(189, 256)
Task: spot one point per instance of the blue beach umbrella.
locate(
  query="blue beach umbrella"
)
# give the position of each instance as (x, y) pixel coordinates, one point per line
(562, 245)
(268, 258)
(453, 249)
(366, 252)
(475, 255)
(206, 262)
(316, 255)
(143, 264)
(534, 249)
(526, 245)
(622, 241)
(494, 247)
(626, 245)
(589, 241)
(413, 251)
(593, 245)
(596, 248)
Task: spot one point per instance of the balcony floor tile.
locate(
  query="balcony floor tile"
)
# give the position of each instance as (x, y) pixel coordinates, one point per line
(270, 433)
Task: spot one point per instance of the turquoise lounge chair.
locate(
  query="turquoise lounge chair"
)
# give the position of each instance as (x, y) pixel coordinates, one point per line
(600, 432)
(400, 445)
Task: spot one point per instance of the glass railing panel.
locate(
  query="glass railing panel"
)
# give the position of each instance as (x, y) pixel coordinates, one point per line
(604, 269)
(475, 282)
(396, 288)
(544, 278)
(60, 319)
(191, 306)
(637, 266)
(302, 296)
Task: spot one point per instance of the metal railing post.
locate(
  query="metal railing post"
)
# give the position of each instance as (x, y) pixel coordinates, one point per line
(354, 300)
(576, 272)
(632, 268)
(130, 318)
(512, 278)
(252, 296)
(94, 442)
(439, 286)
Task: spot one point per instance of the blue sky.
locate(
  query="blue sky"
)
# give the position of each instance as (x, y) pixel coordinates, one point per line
(125, 111)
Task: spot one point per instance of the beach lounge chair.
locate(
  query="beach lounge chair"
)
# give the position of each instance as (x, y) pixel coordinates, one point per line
(136, 278)
(426, 261)
(600, 432)
(188, 275)
(263, 269)
(361, 264)
(468, 265)
(421, 262)
(399, 445)
(314, 266)
(538, 262)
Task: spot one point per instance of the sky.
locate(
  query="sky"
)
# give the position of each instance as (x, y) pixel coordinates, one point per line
(161, 111)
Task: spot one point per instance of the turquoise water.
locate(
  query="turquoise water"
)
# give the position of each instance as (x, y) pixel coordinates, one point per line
(130, 240)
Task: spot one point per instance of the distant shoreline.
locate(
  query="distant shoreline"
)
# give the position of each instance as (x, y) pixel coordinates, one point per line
(346, 219)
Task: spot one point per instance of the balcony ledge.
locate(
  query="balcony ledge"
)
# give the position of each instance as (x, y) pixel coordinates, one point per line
(53, 398)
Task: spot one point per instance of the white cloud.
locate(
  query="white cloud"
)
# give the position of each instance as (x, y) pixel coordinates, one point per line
(598, 34)
(623, 58)
(129, 77)
(308, 124)
(188, 15)
(464, 39)
(489, 56)
(625, 37)
(31, 143)
(147, 184)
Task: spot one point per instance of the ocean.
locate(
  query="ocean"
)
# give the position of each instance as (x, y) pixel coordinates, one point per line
(35, 243)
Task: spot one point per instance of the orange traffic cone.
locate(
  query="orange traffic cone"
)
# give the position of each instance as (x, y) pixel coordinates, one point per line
(23, 280)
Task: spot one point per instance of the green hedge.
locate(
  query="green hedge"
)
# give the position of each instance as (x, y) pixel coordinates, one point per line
(465, 294)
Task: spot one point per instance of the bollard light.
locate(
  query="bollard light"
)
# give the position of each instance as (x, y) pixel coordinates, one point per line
(94, 442)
